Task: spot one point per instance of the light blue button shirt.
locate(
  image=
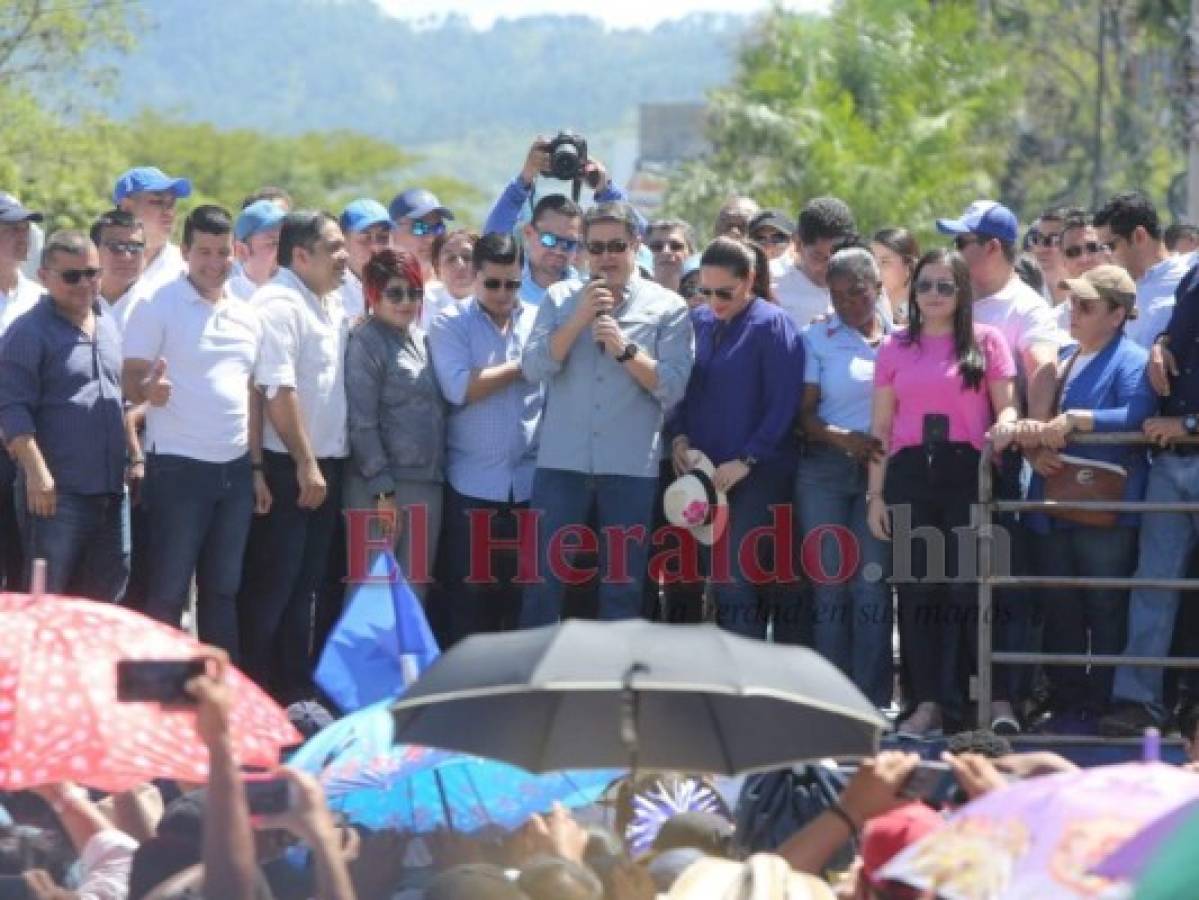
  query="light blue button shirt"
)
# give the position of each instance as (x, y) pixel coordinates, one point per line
(598, 419)
(491, 444)
(841, 362)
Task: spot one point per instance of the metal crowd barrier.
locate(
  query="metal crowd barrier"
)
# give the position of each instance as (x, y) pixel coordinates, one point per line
(988, 581)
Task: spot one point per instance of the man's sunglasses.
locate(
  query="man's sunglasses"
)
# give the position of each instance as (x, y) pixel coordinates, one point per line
(598, 248)
(550, 241)
(719, 293)
(423, 229)
(495, 284)
(74, 276)
(675, 246)
(404, 295)
(1091, 247)
(130, 248)
(1037, 239)
(944, 288)
(962, 241)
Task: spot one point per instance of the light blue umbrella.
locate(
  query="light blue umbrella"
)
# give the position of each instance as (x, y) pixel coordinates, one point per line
(379, 784)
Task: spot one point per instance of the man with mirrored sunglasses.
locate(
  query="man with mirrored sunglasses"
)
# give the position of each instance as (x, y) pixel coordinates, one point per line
(418, 217)
(61, 416)
(551, 242)
(614, 354)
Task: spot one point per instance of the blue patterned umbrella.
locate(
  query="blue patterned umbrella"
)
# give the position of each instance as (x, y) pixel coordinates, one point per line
(379, 784)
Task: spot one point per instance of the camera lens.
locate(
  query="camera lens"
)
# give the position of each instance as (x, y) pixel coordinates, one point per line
(564, 162)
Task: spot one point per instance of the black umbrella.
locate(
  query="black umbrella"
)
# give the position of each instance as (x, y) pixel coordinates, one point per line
(686, 698)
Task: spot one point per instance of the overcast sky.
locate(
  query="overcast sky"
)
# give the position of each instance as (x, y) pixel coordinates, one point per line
(617, 13)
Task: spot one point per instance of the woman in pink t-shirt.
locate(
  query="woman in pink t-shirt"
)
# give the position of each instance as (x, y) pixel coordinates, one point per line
(942, 387)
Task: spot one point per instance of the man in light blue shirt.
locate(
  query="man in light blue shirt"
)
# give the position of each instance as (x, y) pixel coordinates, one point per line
(491, 440)
(614, 354)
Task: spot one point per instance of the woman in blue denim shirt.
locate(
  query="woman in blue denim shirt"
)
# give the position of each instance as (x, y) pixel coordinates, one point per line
(1103, 386)
(853, 610)
(396, 415)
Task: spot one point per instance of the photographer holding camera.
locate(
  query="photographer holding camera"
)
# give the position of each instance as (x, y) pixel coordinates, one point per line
(552, 236)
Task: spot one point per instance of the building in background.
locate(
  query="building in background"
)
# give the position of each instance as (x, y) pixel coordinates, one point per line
(669, 134)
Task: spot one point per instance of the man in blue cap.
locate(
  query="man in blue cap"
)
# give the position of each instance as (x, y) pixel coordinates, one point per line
(987, 235)
(419, 217)
(367, 227)
(150, 195)
(256, 236)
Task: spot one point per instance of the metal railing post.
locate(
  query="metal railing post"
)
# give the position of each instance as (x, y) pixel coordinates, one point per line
(985, 600)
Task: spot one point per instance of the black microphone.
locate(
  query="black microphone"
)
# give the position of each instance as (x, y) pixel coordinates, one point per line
(599, 345)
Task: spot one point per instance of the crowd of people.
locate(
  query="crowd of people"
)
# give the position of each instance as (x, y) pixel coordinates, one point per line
(584, 412)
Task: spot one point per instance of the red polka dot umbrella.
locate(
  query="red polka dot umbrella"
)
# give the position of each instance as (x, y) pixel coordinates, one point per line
(60, 719)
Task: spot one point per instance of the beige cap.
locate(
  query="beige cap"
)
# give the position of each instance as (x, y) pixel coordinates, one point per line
(763, 876)
(1107, 283)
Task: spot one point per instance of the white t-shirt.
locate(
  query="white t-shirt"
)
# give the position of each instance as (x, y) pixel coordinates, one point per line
(800, 297)
(240, 284)
(1061, 315)
(1022, 317)
(167, 266)
(20, 300)
(353, 300)
(304, 347)
(122, 310)
(1155, 299)
(210, 350)
(437, 300)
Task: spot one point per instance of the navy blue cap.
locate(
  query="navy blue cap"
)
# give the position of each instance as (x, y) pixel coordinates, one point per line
(984, 217)
(148, 178)
(258, 216)
(416, 203)
(362, 214)
(11, 210)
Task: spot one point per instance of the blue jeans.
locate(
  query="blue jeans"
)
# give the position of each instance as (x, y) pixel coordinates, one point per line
(85, 544)
(1167, 540)
(853, 615)
(1071, 615)
(198, 518)
(563, 499)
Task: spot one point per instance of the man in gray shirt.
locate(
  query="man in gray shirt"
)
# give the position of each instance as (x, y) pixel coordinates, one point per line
(614, 354)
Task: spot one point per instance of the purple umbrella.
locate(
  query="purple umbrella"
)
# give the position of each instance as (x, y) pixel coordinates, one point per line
(1130, 858)
(1042, 837)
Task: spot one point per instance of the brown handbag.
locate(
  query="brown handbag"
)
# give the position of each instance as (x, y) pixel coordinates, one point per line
(1086, 479)
(1082, 479)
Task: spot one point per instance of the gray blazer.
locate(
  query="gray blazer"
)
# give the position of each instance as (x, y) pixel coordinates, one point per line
(396, 411)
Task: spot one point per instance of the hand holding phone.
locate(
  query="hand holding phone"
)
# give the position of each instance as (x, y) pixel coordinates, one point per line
(269, 796)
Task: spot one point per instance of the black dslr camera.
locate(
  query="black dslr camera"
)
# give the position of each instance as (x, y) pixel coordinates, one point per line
(567, 160)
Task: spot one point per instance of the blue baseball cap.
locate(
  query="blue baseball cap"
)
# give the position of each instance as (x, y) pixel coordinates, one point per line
(362, 214)
(11, 210)
(416, 203)
(148, 178)
(690, 264)
(258, 216)
(983, 217)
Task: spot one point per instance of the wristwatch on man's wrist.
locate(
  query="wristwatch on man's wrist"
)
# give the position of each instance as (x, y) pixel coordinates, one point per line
(630, 350)
(1191, 423)
(749, 461)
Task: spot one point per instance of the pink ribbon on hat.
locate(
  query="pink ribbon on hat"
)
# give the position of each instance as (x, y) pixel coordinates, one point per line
(695, 512)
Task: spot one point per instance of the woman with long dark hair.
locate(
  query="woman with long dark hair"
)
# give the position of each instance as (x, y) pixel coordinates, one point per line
(897, 252)
(741, 401)
(942, 387)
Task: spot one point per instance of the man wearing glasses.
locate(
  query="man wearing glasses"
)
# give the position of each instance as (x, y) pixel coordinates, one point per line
(551, 237)
(1045, 240)
(418, 217)
(1081, 251)
(491, 437)
(121, 241)
(61, 417)
(614, 354)
(150, 195)
(367, 227)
